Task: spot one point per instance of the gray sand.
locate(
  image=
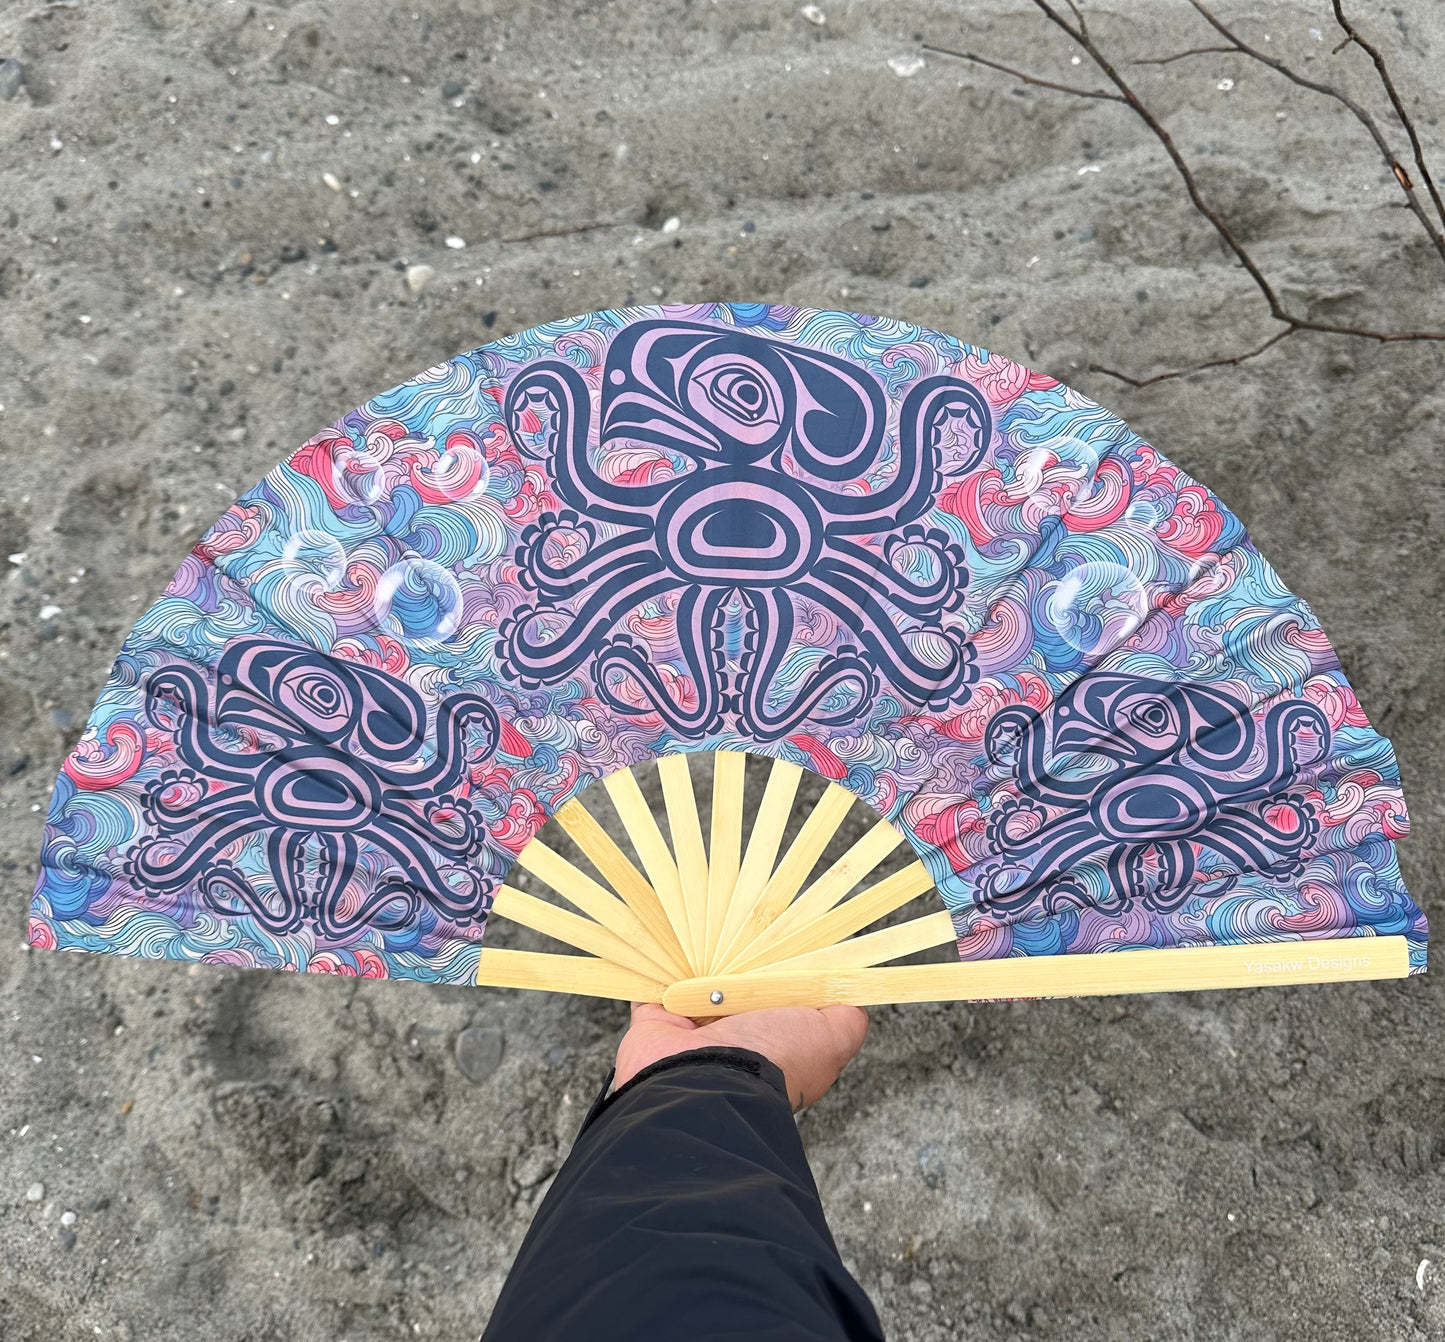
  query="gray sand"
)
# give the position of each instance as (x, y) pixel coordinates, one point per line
(254, 1157)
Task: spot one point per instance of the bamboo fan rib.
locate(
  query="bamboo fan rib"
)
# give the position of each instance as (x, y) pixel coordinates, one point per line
(763, 845)
(641, 826)
(732, 923)
(726, 850)
(601, 849)
(711, 905)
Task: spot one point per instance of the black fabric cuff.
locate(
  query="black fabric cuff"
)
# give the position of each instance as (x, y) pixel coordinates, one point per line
(685, 1212)
(738, 1059)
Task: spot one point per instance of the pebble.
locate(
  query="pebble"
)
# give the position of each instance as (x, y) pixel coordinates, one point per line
(672, 225)
(418, 277)
(479, 1052)
(12, 77)
(35, 1193)
(67, 1219)
(456, 243)
(331, 180)
(814, 15)
(905, 67)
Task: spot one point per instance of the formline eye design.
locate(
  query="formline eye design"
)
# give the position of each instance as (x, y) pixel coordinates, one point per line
(1185, 766)
(766, 517)
(325, 758)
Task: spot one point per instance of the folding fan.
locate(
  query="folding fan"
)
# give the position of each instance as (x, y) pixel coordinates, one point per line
(1124, 754)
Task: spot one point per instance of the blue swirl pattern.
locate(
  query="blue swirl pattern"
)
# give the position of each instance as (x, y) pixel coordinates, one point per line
(969, 594)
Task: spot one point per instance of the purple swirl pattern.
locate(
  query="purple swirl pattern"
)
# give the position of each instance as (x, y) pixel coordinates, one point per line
(1143, 771)
(748, 449)
(967, 593)
(322, 756)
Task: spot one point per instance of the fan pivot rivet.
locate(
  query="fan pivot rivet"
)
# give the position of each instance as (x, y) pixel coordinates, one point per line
(715, 997)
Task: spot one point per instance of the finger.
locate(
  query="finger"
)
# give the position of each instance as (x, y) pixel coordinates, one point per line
(847, 1028)
(654, 1013)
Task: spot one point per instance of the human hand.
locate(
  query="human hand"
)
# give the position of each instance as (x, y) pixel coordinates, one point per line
(811, 1047)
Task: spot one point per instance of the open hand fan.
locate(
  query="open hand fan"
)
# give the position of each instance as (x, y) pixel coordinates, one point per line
(970, 597)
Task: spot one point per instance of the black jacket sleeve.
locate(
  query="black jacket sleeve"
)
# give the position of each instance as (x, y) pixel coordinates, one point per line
(686, 1212)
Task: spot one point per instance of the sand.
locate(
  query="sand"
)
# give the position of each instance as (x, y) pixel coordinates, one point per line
(210, 224)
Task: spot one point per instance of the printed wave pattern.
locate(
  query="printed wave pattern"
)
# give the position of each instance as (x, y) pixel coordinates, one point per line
(960, 589)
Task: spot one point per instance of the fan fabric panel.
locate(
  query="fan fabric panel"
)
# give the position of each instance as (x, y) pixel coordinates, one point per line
(964, 591)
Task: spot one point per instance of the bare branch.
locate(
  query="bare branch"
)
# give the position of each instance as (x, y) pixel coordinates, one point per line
(1022, 77)
(1180, 55)
(1293, 328)
(1360, 113)
(1352, 35)
(1078, 15)
(1233, 362)
(1221, 226)
(1292, 324)
(1079, 34)
(1363, 333)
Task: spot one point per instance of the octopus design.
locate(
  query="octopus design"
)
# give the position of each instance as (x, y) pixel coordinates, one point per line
(326, 757)
(728, 472)
(1143, 771)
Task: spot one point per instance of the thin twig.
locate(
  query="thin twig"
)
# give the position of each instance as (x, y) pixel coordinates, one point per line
(1232, 362)
(1022, 77)
(1078, 14)
(1221, 226)
(563, 231)
(1360, 113)
(1180, 55)
(1352, 35)
(1292, 323)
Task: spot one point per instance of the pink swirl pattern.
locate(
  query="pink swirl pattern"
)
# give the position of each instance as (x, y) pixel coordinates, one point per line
(963, 591)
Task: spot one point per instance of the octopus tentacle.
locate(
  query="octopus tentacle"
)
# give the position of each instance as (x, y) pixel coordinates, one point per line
(335, 867)
(178, 701)
(538, 662)
(563, 394)
(699, 621)
(933, 406)
(918, 680)
(229, 892)
(169, 819)
(865, 569)
(410, 852)
(154, 866)
(457, 716)
(566, 582)
(766, 650)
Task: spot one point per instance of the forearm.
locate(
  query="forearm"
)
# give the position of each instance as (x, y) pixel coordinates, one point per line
(686, 1210)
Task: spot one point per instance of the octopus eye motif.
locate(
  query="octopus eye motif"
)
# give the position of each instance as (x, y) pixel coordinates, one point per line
(750, 496)
(329, 760)
(1143, 773)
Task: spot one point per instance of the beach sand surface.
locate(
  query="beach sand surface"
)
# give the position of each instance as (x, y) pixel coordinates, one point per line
(208, 214)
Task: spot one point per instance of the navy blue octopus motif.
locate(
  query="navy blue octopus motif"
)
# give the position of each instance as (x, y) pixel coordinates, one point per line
(323, 756)
(759, 504)
(1137, 772)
